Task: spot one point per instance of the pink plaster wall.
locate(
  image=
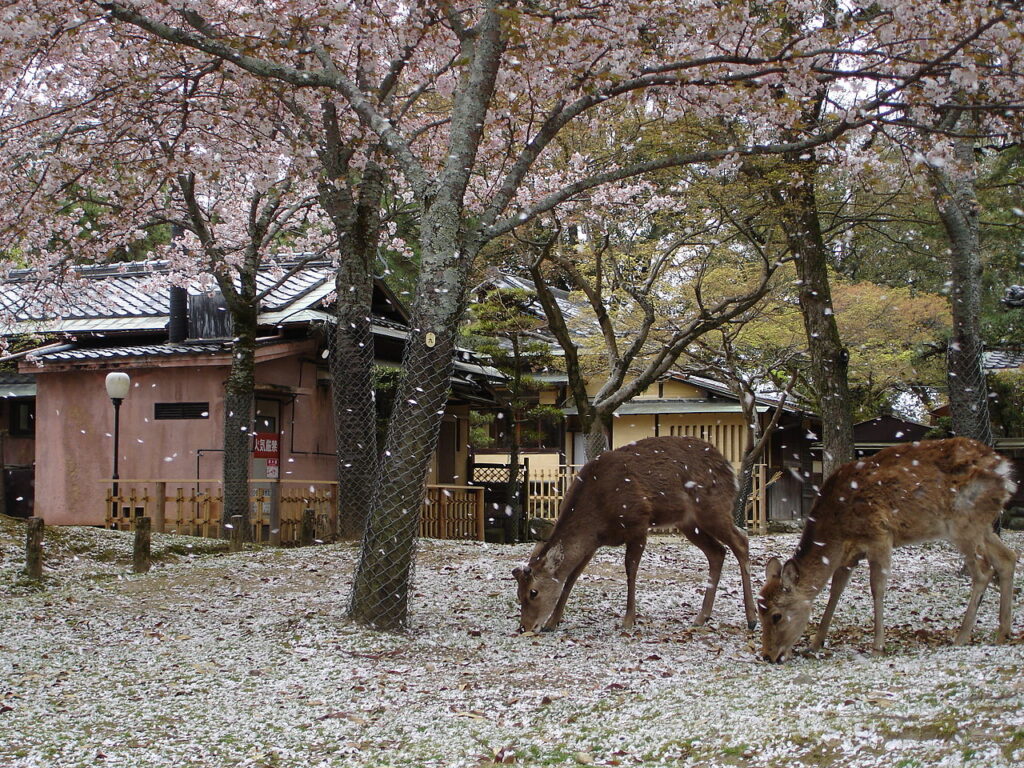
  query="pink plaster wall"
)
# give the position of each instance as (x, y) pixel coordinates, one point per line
(74, 436)
(307, 418)
(74, 426)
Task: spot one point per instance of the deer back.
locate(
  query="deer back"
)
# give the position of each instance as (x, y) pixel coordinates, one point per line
(658, 481)
(915, 492)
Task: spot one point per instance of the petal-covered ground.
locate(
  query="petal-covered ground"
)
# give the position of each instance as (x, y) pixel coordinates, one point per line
(217, 659)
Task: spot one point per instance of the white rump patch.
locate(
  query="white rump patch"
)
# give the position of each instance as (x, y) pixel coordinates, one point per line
(1005, 469)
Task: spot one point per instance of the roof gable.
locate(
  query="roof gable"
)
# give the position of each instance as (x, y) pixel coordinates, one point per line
(136, 297)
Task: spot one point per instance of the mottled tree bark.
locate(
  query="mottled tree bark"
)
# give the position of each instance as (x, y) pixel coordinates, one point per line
(380, 591)
(354, 211)
(829, 358)
(238, 404)
(954, 193)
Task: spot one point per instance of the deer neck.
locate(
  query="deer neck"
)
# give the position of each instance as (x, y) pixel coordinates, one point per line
(817, 561)
(564, 554)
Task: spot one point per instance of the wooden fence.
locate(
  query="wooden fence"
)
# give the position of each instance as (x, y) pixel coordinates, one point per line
(196, 508)
(547, 488)
(453, 512)
(757, 507)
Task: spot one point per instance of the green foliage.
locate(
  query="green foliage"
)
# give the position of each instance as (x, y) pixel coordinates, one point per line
(943, 427)
(385, 386)
(505, 325)
(480, 429)
(14, 344)
(1007, 402)
(93, 220)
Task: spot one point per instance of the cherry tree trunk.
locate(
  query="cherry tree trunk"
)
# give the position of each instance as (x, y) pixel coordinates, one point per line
(354, 409)
(238, 402)
(829, 359)
(356, 221)
(381, 583)
(956, 201)
(744, 488)
(596, 439)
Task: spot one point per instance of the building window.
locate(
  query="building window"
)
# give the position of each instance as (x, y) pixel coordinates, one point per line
(23, 418)
(181, 411)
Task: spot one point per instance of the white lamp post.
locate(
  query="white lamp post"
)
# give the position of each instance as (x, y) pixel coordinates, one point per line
(117, 389)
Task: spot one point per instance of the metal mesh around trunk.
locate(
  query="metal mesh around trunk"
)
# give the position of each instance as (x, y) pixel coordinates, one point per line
(350, 347)
(382, 584)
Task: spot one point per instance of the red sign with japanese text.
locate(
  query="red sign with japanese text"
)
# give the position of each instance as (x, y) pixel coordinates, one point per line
(266, 445)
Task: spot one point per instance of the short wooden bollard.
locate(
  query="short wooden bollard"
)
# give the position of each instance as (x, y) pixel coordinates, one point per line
(275, 523)
(237, 533)
(34, 548)
(308, 527)
(142, 553)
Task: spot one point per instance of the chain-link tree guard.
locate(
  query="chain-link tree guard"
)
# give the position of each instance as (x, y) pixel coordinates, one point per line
(380, 592)
(350, 343)
(968, 390)
(238, 403)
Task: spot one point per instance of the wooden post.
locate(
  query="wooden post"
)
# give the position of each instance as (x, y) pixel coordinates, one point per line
(274, 518)
(237, 534)
(308, 527)
(34, 548)
(444, 524)
(3, 475)
(160, 509)
(179, 510)
(142, 561)
(480, 522)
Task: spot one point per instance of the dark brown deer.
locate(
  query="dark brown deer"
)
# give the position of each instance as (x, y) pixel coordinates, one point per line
(950, 490)
(616, 499)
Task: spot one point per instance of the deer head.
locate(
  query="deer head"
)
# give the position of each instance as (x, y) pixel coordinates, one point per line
(784, 610)
(539, 589)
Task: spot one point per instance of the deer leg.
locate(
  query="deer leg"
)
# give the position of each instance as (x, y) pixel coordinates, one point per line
(1004, 559)
(879, 570)
(981, 569)
(737, 542)
(556, 615)
(634, 551)
(839, 581)
(715, 554)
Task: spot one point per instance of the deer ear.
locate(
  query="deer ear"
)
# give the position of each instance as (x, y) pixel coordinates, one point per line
(790, 574)
(773, 570)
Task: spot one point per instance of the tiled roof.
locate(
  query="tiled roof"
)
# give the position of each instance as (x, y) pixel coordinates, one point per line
(136, 297)
(504, 281)
(997, 359)
(145, 350)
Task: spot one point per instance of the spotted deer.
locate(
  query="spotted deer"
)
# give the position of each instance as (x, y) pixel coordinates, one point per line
(659, 482)
(950, 490)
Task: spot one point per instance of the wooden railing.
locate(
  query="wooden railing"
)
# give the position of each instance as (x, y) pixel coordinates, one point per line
(547, 488)
(196, 508)
(757, 507)
(453, 512)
